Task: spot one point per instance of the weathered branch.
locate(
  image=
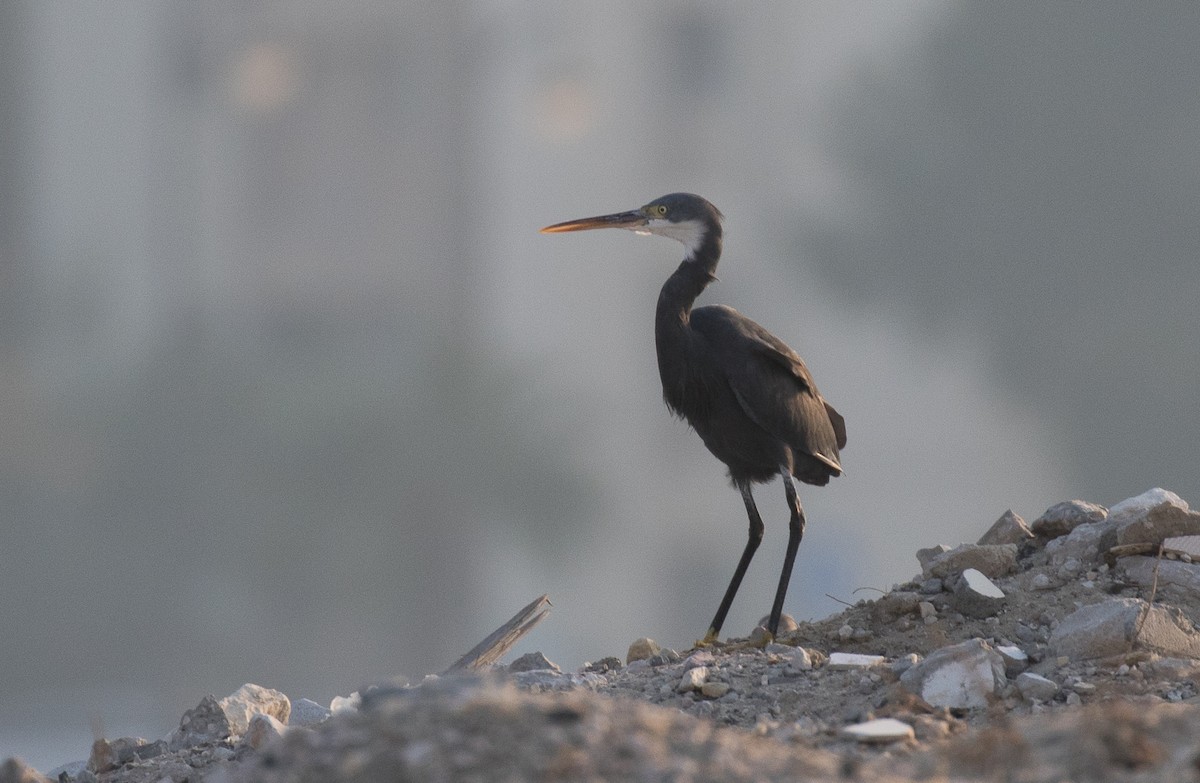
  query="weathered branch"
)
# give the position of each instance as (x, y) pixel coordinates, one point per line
(503, 638)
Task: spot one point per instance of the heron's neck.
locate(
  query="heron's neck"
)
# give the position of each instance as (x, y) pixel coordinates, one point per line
(698, 269)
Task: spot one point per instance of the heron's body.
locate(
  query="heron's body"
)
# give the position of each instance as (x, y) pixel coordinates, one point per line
(748, 395)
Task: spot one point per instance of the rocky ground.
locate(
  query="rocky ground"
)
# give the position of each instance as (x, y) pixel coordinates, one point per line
(1060, 650)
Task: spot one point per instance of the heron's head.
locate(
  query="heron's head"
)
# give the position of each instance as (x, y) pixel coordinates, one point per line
(684, 217)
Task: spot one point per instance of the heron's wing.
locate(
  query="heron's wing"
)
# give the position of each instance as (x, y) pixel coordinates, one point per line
(772, 384)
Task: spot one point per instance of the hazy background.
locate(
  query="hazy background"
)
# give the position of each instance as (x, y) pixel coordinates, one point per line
(293, 392)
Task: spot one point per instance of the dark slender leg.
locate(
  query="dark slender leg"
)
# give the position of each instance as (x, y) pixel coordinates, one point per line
(752, 542)
(795, 533)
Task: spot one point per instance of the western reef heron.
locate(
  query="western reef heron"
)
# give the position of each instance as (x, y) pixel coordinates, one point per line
(747, 395)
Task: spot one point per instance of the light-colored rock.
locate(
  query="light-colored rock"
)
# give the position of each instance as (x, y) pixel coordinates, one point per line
(306, 712)
(841, 661)
(352, 702)
(1035, 687)
(880, 730)
(692, 680)
(927, 610)
(1008, 529)
(1153, 516)
(964, 675)
(216, 719)
(992, 560)
(977, 596)
(642, 649)
(714, 690)
(262, 731)
(800, 659)
(1142, 569)
(1062, 518)
(251, 699)
(1120, 625)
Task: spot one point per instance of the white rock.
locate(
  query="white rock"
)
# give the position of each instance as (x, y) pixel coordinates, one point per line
(692, 680)
(1036, 687)
(964, 675)
(880, 730)
(349, 703)
(839, 661)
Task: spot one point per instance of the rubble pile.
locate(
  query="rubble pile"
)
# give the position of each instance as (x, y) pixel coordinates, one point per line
(998, 657)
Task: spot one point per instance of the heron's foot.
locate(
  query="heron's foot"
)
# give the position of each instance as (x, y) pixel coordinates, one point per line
(710, 640)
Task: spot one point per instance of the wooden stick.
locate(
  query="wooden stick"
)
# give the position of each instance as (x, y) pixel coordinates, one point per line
(503, 638)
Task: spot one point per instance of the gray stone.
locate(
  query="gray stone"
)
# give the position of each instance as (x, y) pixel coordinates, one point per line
(306, 712)
(699, 658)
(1153, 516)
(531, 662)
(880, 730)
(1062, 518)
(1015, 659)
(1008, 529)
(1083, 544)
(895, 604)
(977, 596)
(714, 690)
(965, 675)
(72, 770)
(992, 560)
(642, 649)
(1141, 569)
(929, 554)
(1120, 625)
(1035, 687)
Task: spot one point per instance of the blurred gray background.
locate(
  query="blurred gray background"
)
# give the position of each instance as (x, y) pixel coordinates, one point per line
(293, 392)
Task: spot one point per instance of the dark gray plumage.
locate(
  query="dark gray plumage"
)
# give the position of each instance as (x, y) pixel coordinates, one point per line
(748, 395)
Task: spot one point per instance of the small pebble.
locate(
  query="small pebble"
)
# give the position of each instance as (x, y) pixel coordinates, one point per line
(714, 690)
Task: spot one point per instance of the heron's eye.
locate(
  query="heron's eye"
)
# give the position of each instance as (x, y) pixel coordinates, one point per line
(660, 209)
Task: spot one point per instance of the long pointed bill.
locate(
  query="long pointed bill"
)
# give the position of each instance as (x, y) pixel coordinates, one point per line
(631, 220)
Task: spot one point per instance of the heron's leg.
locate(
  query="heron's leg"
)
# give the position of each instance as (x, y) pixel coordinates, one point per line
(753, 540)
(795, 533)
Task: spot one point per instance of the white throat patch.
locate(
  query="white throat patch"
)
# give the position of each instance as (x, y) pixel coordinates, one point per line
(690, 233)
